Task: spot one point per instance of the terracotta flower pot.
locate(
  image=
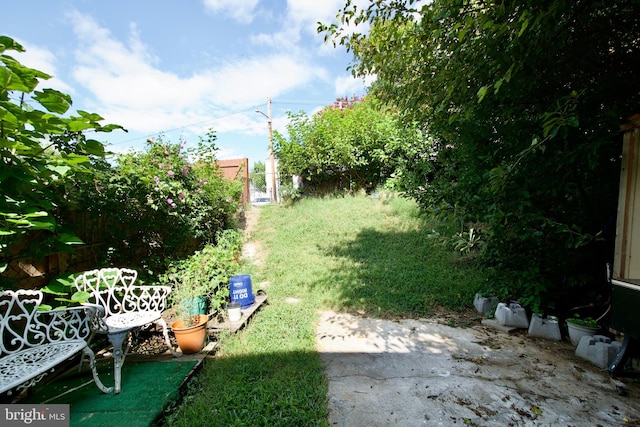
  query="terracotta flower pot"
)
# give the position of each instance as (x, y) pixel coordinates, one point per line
(191, 339)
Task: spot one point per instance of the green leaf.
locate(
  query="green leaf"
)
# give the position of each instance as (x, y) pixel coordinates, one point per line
(36, 214)
(80, 296)
(481, 93)
(573, 121)
(60, 170)
(7, 43)
(70, 239)
(53, 100)
(23, 78)
(5, 77)
(75, 159)
(56, 288)
(79, 125)
(525, 24)
(43, 225)
(93, 117)
(91, 146)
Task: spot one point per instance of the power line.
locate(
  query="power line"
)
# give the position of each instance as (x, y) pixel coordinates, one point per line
(187, 126)
(254, 107)
(288, 102)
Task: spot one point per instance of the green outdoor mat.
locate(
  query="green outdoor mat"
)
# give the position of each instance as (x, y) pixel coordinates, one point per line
(146, 389)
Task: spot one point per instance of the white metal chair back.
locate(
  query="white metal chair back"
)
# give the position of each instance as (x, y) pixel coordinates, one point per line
(17, 321)
(114, 289)
(22, 326)
(34, 342)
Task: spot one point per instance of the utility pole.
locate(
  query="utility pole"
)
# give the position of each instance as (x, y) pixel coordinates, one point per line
(274, 194)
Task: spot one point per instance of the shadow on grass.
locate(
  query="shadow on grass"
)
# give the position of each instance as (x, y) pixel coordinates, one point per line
(400, 273)
(270, 388)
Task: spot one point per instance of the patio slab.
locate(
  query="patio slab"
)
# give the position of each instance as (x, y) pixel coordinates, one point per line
(415, 372)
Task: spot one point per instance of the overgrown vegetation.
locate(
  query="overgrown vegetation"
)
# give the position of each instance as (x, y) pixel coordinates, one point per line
(168, 200)
(355, 253)
(522, 101)
(42, 151)
(59, 192)
(258, 176)
(353, 144)
(205, 274)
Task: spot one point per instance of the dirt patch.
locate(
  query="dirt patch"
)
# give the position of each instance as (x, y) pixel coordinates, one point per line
(422, 372)
(252, 250)
(251, 216)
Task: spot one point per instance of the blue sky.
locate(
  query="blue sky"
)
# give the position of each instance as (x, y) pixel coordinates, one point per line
(182, 67)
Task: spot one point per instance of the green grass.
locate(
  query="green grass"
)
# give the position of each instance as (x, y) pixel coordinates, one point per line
(353, 254)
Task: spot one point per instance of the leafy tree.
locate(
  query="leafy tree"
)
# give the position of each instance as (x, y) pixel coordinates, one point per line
(523, 100)
(41, 152)
(348, 144)
(258, 176)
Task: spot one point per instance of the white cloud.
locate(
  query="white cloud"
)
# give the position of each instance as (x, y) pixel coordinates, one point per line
(283, 41)
(226, 153)
(302, 17)
(130, 89)
(240, 10)
(247, 80)
(348, 85)
(42, 60)
(307, 13)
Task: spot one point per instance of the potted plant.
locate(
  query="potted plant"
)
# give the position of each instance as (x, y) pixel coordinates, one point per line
(579, 327)
(189, 327)
(200, 287)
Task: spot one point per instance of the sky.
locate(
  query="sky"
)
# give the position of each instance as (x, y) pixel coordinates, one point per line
(179, 68)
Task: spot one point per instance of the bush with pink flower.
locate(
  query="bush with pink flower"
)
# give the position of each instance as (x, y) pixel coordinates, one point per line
(165, 213)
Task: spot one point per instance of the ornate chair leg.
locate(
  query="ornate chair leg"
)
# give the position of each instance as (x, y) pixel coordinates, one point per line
(82, 359)
(165, 333)
(116, 340)
(92, 364)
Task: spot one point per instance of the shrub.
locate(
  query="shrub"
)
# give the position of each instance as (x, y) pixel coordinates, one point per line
(163, 203)
(206, 273)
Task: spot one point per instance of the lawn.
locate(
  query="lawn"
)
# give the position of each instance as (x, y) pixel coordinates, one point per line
(370, 256)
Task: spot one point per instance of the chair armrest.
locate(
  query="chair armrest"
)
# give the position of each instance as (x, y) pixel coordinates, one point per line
(96, 314)
(71, 323)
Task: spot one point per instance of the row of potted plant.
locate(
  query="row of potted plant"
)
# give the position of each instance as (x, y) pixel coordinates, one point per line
(577, 326)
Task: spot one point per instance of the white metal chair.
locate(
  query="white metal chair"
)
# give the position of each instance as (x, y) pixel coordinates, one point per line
(33, 343)
(123, 307)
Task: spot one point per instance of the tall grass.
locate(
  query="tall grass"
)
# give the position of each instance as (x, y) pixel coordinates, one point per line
(357, 254)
